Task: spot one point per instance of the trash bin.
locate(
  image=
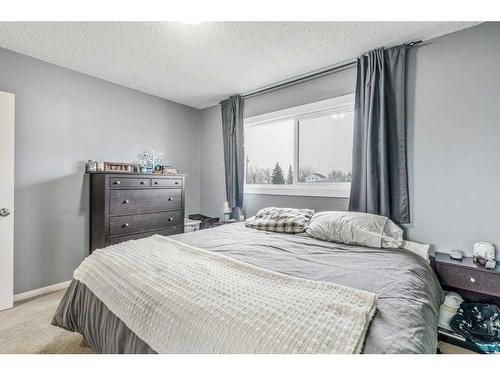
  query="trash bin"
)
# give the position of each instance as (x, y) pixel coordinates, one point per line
(191, 225)
(205, 221)
(448, 309)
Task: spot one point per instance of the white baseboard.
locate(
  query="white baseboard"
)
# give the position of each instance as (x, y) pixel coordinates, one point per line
(44, 290)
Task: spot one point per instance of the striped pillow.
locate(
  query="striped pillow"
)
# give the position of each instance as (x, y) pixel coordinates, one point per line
(284, 220)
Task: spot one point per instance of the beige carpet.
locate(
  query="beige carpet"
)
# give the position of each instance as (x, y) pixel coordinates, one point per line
(26, 328)
(452, 349)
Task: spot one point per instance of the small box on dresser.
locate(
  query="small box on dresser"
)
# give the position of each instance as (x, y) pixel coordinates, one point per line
(131, 206)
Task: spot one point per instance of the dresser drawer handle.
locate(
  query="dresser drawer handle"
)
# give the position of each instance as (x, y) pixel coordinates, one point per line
(156, 182)
(125, 225)
(116, 182)
(472, 280)
(170, 199)
(142, 182)
(176, 182)
(126, 201)
(170, 219)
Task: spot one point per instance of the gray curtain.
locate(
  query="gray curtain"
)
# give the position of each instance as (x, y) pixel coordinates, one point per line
(232, 132)
(379, 175)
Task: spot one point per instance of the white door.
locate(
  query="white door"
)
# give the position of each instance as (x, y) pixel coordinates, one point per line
(6, 200)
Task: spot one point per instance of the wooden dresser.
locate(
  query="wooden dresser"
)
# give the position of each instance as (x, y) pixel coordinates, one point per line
(131, 206)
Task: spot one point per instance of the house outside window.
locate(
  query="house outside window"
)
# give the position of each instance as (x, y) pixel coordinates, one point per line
(304, 150)
(315, 177)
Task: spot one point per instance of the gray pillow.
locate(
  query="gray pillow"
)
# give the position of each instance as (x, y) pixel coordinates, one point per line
(355, 228)
(285, 220)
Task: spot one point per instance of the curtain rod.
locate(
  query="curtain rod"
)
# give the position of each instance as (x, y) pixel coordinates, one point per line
(310, 75)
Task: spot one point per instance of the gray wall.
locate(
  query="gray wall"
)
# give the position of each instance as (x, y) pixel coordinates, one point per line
(453, 139)
(62, 119)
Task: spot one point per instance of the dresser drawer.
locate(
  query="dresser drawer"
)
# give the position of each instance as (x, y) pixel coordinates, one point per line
(137, 236)
(166, 182)
(475, 280)
(123, 202)
(140, 223)
(127, 182)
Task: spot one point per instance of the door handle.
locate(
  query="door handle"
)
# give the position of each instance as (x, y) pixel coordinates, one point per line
(4, 212)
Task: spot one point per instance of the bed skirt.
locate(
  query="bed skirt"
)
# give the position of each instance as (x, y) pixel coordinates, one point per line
(81, 311)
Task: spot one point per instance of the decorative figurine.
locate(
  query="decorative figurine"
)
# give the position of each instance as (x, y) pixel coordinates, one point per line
(150, 159)
(91, 166)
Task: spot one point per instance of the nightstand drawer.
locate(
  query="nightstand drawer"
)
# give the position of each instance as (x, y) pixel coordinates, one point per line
(475, 280)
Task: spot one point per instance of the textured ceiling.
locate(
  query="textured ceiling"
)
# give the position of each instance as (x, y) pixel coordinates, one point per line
(198, 65)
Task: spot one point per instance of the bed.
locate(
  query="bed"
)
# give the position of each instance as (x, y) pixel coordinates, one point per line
(407, 290)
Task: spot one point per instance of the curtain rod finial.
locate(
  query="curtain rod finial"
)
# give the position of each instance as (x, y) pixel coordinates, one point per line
(412, 44)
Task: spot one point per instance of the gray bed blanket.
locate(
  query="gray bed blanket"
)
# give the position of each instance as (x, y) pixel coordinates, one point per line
(408, 292)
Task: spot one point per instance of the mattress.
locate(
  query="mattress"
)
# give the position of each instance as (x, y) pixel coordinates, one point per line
(409, 294)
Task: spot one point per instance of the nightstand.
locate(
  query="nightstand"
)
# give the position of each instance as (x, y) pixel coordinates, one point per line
(472, 282)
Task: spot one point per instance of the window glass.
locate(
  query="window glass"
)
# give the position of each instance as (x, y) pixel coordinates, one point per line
(325, 148)
(269, 152)
(304, 150)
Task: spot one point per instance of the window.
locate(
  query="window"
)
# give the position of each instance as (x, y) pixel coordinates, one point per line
(305, 150)
(268, 148)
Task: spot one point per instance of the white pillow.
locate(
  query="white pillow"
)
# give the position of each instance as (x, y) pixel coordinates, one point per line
(355, 228)
(421, 249)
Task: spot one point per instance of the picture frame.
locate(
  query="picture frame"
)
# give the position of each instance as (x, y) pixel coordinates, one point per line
(119, 167)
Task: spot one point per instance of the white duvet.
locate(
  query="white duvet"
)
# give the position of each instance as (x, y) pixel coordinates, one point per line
(182, 299)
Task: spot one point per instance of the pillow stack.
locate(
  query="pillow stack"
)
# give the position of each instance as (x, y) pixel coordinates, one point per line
(352, 228)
